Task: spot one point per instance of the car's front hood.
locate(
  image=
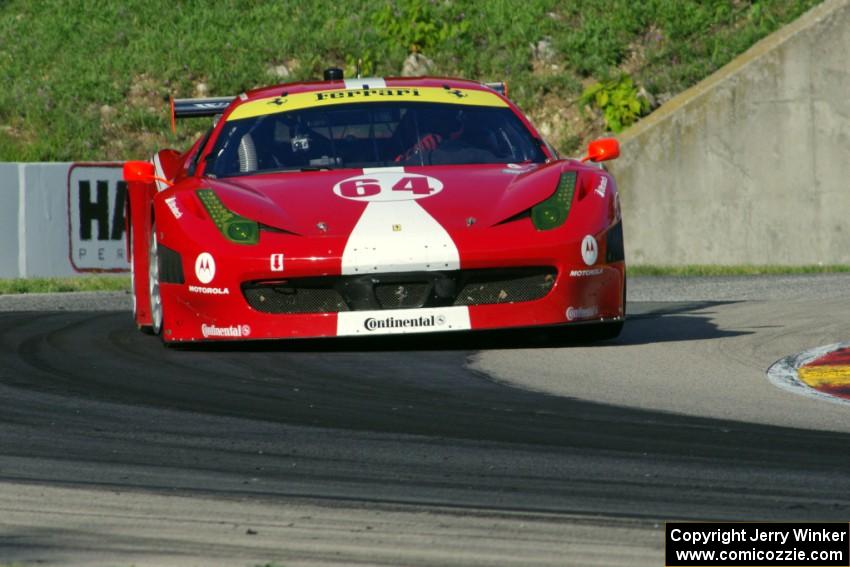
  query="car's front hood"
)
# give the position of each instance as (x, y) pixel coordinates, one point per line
(332, 203)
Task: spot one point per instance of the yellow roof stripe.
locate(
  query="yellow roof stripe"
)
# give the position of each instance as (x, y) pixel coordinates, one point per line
(273, 105)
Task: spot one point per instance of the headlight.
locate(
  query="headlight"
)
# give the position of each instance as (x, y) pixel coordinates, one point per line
(234, 228)
(553, 212)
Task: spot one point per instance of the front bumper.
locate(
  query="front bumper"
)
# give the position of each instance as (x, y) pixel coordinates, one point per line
(193, 316)
(218, 310)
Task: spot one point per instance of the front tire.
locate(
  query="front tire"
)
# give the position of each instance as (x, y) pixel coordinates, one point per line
(153, 284)
(146, 329)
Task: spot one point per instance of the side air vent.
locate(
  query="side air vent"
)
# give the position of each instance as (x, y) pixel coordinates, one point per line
(614, 251)
(170, 265)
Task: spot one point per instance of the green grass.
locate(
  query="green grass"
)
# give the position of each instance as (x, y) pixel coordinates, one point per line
(61, 61)
(746, 270)
(54, 285)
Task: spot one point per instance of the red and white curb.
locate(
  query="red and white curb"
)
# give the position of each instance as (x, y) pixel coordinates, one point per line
(784, 373)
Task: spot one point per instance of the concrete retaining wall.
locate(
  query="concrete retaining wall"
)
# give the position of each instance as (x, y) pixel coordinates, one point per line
(751, 166)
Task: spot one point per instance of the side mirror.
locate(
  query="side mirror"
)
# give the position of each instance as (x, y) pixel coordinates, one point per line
(143, 172)
(602, 149)
(139, 171)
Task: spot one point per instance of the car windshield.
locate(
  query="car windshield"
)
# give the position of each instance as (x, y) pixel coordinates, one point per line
(372, 135)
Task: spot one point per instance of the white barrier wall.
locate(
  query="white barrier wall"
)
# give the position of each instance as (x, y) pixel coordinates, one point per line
(63, 219)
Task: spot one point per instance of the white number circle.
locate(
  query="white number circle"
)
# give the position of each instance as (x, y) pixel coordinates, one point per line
(388, 186)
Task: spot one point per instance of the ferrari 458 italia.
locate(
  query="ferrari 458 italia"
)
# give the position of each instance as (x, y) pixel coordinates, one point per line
(368, 207)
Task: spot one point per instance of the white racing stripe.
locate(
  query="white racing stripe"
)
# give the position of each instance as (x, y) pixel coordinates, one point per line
(397, 169)
(402, 321)
(365, 83)
(399, 236)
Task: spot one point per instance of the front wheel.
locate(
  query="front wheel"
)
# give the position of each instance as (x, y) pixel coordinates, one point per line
(153, 284)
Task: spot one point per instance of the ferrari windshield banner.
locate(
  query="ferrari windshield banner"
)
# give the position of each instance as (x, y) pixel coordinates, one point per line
(299, 101)
(96, 202)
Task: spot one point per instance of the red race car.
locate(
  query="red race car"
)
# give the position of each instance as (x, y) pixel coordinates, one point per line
(368, 207)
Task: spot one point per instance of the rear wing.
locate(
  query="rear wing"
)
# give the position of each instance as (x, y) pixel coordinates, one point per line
(197, 107)
(501, 87)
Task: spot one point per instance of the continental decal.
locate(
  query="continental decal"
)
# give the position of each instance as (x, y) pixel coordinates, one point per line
(299, 101)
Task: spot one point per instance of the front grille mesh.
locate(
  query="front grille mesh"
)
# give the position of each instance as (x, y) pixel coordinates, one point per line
(408, 290)
(500, 289)
(402, 295)
(287, 299)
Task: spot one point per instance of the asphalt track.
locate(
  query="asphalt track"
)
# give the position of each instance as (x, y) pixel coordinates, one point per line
(513, 448)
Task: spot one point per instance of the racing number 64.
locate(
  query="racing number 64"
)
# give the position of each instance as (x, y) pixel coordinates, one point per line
(381, 186)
